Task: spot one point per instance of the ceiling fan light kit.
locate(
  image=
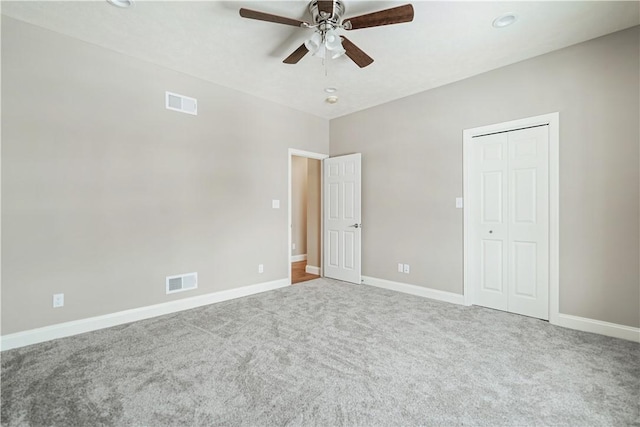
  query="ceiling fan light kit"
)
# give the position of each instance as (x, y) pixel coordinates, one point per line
(322, 42)
(327, 19)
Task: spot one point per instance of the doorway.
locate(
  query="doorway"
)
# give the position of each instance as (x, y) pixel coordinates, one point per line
(305, 215)
(511, 216)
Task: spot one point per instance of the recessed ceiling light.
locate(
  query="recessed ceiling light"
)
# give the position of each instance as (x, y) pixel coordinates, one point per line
(121, 3)
(331, 99)
(330, 89)
(505, 20)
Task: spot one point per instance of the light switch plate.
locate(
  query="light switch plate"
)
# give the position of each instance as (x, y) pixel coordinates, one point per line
(58, 300)
(400, 267)
(275, 204)
(459, 203)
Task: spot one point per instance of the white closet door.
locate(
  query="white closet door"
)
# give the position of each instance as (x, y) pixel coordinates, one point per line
(529, 222)
(489, 234)
(509, 212)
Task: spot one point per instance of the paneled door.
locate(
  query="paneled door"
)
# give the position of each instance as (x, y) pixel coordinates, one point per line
(509, 221)
(342, 220)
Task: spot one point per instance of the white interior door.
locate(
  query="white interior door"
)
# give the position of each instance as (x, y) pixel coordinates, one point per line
(509, 212)
(342, 220)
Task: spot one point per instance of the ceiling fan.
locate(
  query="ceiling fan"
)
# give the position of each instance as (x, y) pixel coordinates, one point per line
(327, 18)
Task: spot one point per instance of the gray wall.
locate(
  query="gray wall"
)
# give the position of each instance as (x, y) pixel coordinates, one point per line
(105, 192)
(412, 172)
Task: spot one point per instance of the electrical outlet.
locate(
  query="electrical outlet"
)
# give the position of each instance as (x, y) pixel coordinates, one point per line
(58, 300)
(400, 267)
(406, 269)
(260, 268)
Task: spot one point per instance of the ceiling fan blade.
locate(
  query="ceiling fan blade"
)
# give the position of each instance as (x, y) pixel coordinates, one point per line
(325, 6)
(355, 53)
(296, 55)
(395, 15)
(261, 16)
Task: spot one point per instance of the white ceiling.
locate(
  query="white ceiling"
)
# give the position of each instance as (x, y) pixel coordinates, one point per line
(447, 41)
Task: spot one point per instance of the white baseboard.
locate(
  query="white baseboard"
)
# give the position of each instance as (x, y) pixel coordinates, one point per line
(312, 269)
(414, 290)
(598, 327)
(565, 320)
(296, 258)
(61, 330)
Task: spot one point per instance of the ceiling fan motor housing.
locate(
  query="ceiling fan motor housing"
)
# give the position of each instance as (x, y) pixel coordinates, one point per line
(326, 14)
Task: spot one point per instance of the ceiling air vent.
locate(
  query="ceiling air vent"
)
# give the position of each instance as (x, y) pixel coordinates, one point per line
(181, 103)
(182, 282)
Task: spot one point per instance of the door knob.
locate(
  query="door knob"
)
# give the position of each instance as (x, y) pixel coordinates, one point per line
(356, 225)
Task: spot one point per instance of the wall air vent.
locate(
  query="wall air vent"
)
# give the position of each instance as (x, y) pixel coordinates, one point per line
(181, 103)
(182, 282)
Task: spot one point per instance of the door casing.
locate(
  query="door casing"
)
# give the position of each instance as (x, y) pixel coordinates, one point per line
(553, 120)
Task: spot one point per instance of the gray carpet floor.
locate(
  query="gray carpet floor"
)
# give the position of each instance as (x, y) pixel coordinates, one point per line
(325, 353)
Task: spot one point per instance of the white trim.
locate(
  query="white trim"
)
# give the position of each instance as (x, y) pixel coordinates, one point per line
(61, 330)
(312, 269)
(414, 290)
(308, 155)
(598, 327)
(565, 320)
(553, 120)
(296, 258)
(466, 165)
(554, 217)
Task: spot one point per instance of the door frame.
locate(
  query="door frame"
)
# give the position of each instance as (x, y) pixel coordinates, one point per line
(553, 120)
(308, 155)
